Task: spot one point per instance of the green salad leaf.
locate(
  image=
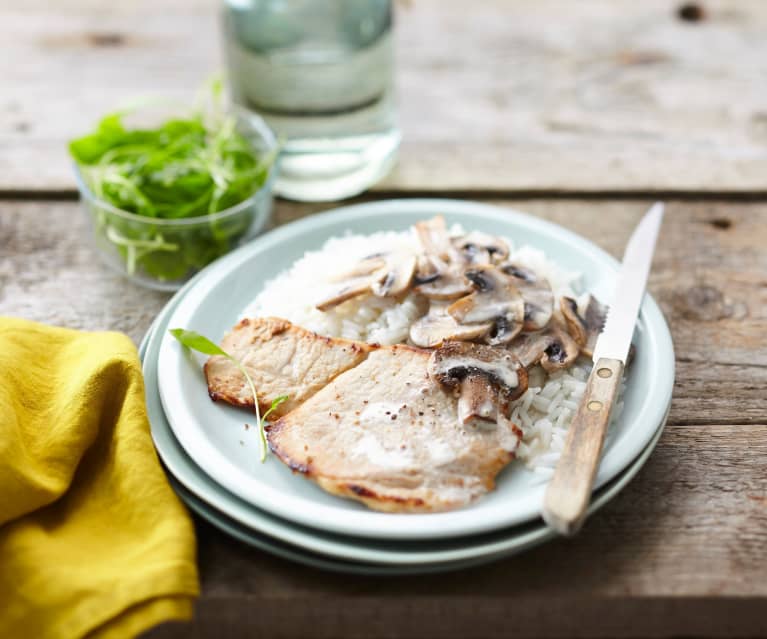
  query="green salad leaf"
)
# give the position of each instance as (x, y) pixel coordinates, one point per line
(187, 167)
(201, 344)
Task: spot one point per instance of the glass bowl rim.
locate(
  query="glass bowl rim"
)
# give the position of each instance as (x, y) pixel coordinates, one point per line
(253, 120)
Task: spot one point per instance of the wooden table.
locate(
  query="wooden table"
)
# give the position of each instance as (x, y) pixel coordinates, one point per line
(581, 115)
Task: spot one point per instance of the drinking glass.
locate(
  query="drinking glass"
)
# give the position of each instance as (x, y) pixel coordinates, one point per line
(320, 72)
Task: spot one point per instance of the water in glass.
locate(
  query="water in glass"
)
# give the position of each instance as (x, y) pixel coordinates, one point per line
(321, 73)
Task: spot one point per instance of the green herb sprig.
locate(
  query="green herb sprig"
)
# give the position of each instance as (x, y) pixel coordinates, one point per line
(201, 344)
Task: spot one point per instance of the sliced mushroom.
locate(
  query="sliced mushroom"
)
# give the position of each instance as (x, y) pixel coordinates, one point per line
(434, 238)
(366, 266)
(395, 276)
(349, 289)
(439, 273)
(552, 347)
(487, 378)
(495, 299)
(454, 361)
(437, 327)
(503, 331)
(383, 274)
(537, 294)
(585, 328)
(481, 248)
(494, 296)
(447, 285)
(427, 270)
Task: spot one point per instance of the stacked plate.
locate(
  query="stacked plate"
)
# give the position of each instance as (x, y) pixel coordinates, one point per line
(212, 457)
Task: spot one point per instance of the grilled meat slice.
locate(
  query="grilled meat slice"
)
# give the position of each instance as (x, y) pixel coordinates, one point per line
(385, 434)
(282, 359)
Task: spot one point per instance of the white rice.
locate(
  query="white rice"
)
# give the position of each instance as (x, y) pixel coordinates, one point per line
(543, 413)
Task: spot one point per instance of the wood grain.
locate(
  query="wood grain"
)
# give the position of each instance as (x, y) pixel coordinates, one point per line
(530, 96)
(681, 552)
(710, 281)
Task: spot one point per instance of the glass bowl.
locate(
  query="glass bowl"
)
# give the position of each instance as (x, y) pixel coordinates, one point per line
(163, 253)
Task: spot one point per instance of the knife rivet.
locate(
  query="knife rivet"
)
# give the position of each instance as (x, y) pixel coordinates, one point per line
(594, 406)
(604, 372)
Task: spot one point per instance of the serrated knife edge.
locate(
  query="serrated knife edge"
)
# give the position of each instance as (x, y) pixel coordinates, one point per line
(615, 340)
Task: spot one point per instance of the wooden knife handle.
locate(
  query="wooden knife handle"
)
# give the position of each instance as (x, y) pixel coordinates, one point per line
(568, 493)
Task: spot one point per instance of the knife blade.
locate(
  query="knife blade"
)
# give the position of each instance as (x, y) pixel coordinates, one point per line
(569, 490)
(615, 339)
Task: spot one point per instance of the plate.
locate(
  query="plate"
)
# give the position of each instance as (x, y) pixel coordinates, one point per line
(213, 435)
(245, 522)
(242, 521)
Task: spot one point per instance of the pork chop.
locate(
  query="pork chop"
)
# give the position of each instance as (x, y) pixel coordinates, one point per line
(282, 359)
(385, 434)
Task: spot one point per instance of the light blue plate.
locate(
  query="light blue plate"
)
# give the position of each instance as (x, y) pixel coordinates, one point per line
(335, 552)
(213, 436)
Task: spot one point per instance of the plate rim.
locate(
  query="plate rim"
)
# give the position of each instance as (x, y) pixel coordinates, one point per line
(417, 526)
(306, 558)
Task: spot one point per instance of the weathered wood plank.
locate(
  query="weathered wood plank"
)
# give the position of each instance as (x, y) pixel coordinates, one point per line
(722, 364)
(680, 552)
(491, 617)
(699, 499)
(703, 388)
(531, 96)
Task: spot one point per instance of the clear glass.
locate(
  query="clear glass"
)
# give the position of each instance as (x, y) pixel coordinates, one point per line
(320, 72)
(163, 253)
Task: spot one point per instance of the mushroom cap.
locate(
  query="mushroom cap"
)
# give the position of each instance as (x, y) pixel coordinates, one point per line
(427, 269)
(440, 268)
(553, 347)
(448, 284)
(454, 361)
(347, 290)
(494, 297)
(486, 378)
(561, 352)
(536, 293)
(585, 328)
(437, 327)
(434, 238)
(366, 266)
(395, 276)
(382, 274)
(503, 331)
(480, 248)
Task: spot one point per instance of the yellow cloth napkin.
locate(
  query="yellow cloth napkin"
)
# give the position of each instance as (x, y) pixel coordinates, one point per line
(93, 541)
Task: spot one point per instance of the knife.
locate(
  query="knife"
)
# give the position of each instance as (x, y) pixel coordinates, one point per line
(567, 495)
